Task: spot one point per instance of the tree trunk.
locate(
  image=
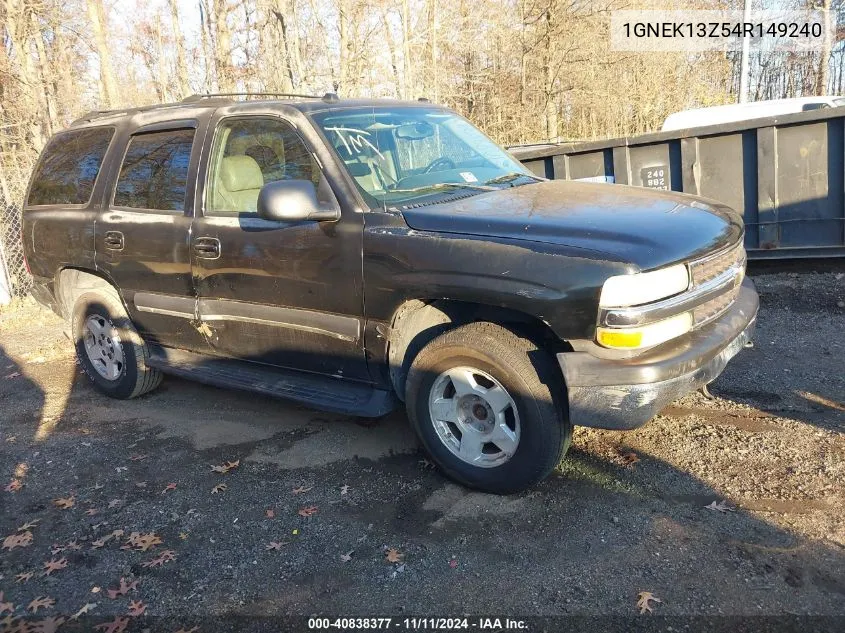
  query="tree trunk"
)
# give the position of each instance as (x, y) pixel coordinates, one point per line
(391, 47)
(823, 72)
(179, 45)
(99, 25)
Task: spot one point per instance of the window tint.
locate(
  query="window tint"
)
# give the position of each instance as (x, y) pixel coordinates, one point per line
(69, 167)
(248, 154)
(154, 173)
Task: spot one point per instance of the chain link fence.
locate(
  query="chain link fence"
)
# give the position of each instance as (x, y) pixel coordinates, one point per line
(11, 248)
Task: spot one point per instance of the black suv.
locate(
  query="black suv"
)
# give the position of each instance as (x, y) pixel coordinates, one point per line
(353, 254)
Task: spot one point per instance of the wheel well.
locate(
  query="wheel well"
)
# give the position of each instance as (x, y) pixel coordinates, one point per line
(71, 283)
(416, 323)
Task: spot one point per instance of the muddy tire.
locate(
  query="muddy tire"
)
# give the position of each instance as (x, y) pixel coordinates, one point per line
(487, 405)
(109, 348)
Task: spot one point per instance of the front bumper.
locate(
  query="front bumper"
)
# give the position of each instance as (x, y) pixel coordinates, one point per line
(624, 394)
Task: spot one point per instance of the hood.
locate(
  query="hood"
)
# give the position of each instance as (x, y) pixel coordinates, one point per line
(637, 226)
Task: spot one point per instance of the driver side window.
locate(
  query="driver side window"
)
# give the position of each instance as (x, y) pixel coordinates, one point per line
(248, 153)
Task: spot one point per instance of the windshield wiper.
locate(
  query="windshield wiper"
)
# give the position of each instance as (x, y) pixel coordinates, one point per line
(443, 185)
(509, 177)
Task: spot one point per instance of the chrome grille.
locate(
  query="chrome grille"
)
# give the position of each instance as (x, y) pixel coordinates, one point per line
(703, 270)
(706, 312)
(708, 269)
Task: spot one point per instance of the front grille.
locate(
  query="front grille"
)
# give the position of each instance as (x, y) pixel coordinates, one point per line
(706, 312)
(708, 268)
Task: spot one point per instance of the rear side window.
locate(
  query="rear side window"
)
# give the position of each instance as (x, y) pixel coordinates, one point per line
(154, 174)
(69, 166)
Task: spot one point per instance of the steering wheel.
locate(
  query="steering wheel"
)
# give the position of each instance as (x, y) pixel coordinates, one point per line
(443, 162)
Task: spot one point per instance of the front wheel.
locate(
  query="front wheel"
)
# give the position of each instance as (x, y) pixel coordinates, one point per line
(485, 404)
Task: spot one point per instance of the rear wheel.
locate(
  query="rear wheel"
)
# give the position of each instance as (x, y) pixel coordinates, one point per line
(109, 348)
(485, 404)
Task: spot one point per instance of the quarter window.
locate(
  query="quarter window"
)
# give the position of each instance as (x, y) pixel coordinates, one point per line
(154, 174)
(69, 167)
(248, 154)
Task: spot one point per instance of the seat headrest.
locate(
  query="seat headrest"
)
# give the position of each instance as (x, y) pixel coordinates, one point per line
(239, 173)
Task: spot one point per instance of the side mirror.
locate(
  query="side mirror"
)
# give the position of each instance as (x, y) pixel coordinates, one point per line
(292, 201)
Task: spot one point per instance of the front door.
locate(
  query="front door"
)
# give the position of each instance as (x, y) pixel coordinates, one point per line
(287, 294)
(142, 232)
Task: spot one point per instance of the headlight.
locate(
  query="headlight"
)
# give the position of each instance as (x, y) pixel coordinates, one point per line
(634, 290)
(645, 335)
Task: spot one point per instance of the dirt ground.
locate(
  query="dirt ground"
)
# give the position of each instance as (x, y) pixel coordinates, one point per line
(627, 513)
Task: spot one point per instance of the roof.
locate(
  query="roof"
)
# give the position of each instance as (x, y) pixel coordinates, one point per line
(190, 105)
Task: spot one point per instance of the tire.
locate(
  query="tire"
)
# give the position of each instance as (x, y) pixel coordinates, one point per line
(120, 370)
(490, 359)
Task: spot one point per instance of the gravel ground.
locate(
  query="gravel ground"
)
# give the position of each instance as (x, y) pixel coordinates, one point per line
(625, 514)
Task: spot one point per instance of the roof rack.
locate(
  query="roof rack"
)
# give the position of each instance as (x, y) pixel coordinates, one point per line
(329, 97)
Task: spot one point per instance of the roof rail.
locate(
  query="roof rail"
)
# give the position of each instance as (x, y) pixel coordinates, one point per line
(329, 96)
(93, 115)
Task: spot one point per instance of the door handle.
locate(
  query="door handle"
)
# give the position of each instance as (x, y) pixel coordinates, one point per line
(114, 240)
(207, 248)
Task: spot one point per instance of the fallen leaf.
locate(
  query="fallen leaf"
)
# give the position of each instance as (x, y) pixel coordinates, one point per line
(6, 606)
(47, 625)
(25, 576)
(22, 539)
(125, 587)
(121, 469)
(275, 545)
(628, 458)
(720, 506)
(301, 489)
(270, 513)
(643, 599)
(115, 502)
(13, 486)
(21, 470)
(118, 625)
(225, 468)
(101, 542)
(453, 563)
(393, 555)
(140, 484)
(14, 374)
(183, 536)
(169, 487)
(42, 602)
(65, 503)
(136, 608)
(11, 439)
(166, 556)
(73, 546)
(308, 511)
(344, 490)
(57, 549)
(142, 542)
(91, 512)
(138, 458)
(85, 609)
(54, 565)
(29, 525)
(218, 488)
(345, 558)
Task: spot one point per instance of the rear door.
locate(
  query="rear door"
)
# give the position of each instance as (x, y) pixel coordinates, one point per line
(287, 294)
(142, 234)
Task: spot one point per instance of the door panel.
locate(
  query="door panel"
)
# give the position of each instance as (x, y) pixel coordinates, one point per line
(142, 236)
(282, 293)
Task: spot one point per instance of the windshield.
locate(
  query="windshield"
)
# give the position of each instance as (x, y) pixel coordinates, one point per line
(407, 155)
